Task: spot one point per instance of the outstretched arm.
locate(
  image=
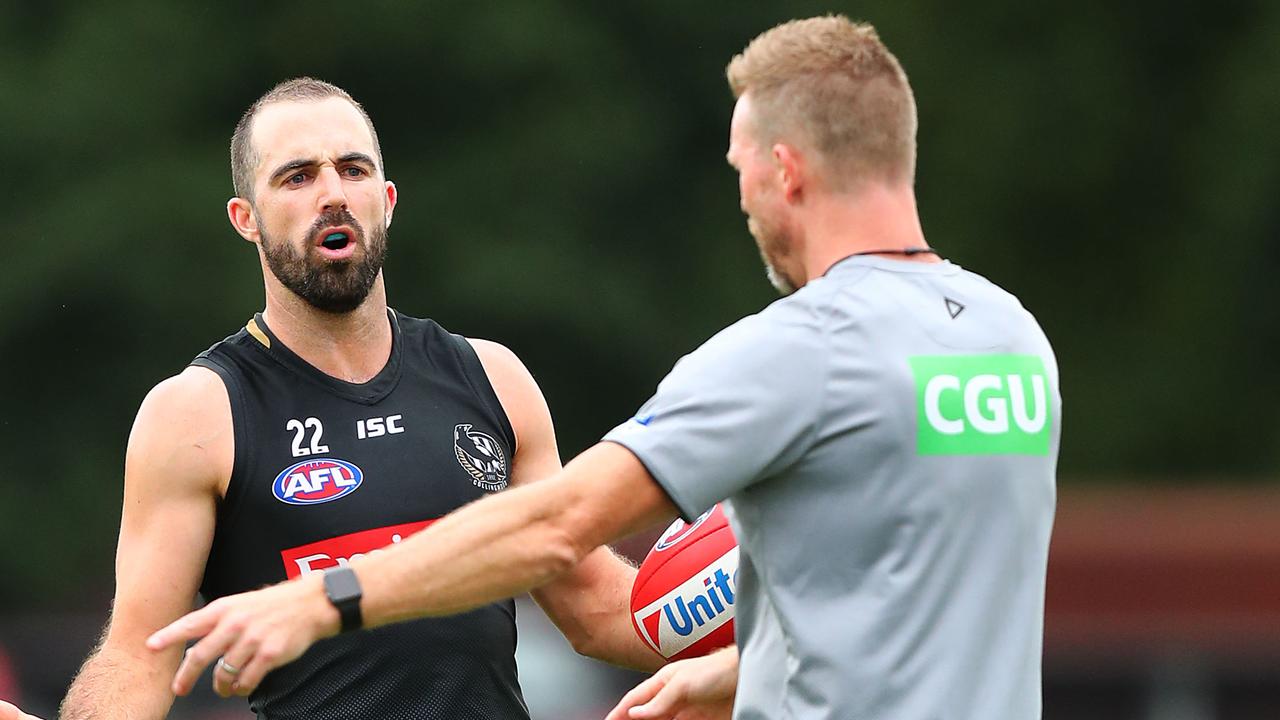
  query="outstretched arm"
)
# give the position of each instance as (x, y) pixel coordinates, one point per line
(494, 548)
(179, 446)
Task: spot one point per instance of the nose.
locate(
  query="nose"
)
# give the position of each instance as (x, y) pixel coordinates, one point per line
(332, 194)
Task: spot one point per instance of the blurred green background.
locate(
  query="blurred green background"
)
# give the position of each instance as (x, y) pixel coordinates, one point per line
(563, 190)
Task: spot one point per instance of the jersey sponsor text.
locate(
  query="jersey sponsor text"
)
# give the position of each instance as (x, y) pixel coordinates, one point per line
(338, 551)
(981, 405)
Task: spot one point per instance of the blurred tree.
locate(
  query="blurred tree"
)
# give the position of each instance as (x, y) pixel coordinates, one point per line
(564, 191)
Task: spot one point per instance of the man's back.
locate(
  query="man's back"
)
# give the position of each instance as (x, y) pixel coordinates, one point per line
(892, 502)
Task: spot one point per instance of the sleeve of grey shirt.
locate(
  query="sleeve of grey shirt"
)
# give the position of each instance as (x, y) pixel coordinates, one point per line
(740, 408)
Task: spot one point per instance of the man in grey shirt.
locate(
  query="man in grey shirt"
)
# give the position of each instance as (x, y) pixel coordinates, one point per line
(885, 438)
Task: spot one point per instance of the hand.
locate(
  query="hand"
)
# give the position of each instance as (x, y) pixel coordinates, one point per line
(9, 712)
(249, 634)
(697, 689)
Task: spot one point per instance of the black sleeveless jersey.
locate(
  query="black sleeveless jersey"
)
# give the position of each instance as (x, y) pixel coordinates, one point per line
(327, 470)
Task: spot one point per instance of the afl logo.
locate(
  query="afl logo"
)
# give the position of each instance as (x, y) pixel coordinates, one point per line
(680, 530)
(481, 456)
(312, 482)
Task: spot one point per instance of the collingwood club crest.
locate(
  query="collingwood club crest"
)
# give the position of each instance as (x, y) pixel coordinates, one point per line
(481, 456)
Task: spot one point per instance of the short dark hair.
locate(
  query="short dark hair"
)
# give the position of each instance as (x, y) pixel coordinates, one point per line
(303, 89)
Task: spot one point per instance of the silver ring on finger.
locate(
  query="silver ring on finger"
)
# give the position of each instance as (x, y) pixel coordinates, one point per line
(227, 667)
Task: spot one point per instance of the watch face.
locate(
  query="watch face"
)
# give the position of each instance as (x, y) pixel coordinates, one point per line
(343, 590)
(341, 584)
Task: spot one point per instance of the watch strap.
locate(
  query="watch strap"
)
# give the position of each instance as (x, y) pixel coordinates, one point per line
(343, 590)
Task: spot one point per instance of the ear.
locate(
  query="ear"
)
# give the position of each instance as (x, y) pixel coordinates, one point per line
(244, 219)
(791, 171)
(392, 197)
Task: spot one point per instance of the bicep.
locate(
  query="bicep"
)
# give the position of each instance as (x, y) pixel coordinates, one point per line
(177, 452)
(537, 456)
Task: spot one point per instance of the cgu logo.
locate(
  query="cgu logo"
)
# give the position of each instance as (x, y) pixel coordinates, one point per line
(982, 404)
(987, 405)
(693, 610)
(316, 481)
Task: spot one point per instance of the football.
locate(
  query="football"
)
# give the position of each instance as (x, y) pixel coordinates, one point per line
(683, 598)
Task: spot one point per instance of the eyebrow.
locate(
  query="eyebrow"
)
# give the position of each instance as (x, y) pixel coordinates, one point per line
(357, 157)
(300, 163)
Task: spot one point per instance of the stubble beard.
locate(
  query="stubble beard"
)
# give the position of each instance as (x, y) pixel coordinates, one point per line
(331, 286)
(774, 244)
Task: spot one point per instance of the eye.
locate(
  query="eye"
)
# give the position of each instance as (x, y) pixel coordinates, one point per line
(296, 179)
(354, 171)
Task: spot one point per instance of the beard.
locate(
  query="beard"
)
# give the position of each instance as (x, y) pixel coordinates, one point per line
(331, 286)
(775, 244)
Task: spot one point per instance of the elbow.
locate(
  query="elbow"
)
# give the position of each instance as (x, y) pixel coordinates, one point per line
(586, 645)
(562, 545)
(560, 554)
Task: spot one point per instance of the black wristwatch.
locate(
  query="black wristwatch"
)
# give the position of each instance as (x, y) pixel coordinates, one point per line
(343, 590)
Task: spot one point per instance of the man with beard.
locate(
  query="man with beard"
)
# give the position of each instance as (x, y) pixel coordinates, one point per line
(885, 438)
(329, 427)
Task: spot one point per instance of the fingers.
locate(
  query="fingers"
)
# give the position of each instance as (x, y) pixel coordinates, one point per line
(215, 644)
(188, 627)
(228, 671)
(639, 695)
(263, 662)
(665, 704)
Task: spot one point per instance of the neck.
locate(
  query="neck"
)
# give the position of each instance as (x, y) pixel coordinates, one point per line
(874, 219)
(354, 346)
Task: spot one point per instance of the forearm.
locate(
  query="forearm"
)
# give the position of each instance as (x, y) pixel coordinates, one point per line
(592, 608)
(115, 685)
(610, 637)
(509, 543)
(497, 548)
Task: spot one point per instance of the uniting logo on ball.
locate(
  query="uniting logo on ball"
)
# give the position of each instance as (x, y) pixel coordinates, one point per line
(680, 530)
(312, 482)
(981, 405)
(481, 456)
(693, 610)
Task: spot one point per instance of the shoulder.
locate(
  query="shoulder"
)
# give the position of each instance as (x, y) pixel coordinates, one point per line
(787, 328)
(496, 356)
(184, 426)
(511, 380)
(193, 392)
(515, 387)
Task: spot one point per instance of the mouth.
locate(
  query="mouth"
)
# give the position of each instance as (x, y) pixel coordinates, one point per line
(336, 243)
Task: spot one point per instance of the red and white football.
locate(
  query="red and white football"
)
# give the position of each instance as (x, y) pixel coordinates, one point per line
(683, 598)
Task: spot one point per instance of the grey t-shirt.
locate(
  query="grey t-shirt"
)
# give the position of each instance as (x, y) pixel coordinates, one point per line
(886, 439)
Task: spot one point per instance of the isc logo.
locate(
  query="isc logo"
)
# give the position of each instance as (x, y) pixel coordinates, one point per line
(316, 481)
(693, 610)
(982, 404)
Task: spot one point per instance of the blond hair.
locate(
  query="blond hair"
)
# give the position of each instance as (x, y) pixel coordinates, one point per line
(830, 85)
(304, 89)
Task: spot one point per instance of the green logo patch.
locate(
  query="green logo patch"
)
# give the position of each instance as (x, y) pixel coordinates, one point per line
(981, 405)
